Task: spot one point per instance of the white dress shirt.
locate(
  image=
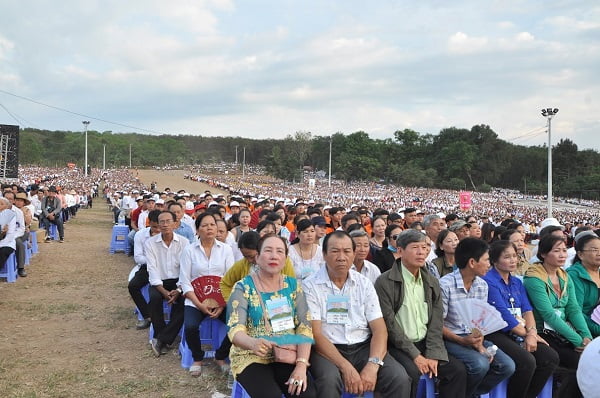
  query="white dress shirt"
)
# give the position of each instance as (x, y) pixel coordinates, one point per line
(363, 305)
(19, 222)
(163, 260)
(9, 238)
(139, 250)
(369, 270)
(195, 263)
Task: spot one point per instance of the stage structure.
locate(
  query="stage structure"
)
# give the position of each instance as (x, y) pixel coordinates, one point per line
(9, 151)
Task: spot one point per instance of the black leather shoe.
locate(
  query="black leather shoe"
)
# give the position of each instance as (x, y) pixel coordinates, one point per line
(22, 273)
(142, 324)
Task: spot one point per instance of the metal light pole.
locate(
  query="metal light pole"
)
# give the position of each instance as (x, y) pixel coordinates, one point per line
(104, 158)
(129, 155)
(330, 141)
(244, 164)
(85, 162)
(548, 113)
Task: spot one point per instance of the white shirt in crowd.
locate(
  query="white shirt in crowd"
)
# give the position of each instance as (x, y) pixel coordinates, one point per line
(162, 260)
(139, 248)
(195, 263)
(362, 300)
(369, 270)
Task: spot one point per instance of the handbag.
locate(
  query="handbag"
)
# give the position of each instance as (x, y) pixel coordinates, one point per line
(287, 353)
(561, 340)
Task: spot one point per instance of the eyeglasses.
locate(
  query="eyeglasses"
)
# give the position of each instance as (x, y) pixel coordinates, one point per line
(395, 237)
(165, 222)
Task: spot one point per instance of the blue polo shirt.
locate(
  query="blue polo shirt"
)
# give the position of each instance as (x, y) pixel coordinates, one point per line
(503, 296)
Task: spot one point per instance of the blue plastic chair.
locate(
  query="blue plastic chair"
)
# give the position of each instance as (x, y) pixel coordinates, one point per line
(9, 269)
(33, 242)
(118, 241)
(426, 387)
(212, 331)
(54, 232)
(167, 315)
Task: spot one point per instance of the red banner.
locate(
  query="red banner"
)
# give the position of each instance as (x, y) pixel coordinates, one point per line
(465, 200)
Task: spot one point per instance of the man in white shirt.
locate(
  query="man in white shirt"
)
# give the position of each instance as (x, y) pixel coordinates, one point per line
(163, 253)
(20, 236)
(140, 279)
(349, 330)
(7, 230)
(361, 264)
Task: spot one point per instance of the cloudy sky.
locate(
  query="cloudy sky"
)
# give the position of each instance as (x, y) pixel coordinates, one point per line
(269, 68)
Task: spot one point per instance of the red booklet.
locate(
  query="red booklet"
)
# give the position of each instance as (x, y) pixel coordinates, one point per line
(208, 288)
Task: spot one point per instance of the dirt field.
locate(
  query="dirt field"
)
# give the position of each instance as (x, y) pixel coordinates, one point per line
(68, 329)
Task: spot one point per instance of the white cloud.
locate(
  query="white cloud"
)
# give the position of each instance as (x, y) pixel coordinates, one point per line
(461, 43)
(265, 69)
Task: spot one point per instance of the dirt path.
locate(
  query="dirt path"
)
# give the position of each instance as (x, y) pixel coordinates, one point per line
(68, 329)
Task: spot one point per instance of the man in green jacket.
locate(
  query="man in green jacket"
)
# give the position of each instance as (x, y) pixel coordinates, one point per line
(411, 304)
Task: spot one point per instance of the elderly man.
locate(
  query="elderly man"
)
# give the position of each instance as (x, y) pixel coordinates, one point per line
(349, 330)
(411, 304)
(22, 229)
(51, 209)
(433, 225)
(162, 260)
(140, 279)
(461, 228)
(8, 225)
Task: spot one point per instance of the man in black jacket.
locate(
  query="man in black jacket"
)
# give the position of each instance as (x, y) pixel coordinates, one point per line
(412, 308)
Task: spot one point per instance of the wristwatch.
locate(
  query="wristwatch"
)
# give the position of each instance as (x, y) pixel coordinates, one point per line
(376, 361)
(180, 290)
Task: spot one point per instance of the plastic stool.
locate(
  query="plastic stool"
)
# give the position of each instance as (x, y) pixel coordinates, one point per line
(9, 269)
(212, 331)
(426, 387)
(54, 232)
(547, 390)
(238, 391)
(118, 241)
(28, 254)
(33, 241)
(167, 315)
(146, 294)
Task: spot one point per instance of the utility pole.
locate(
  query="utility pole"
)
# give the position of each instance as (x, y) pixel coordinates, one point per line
(244, 165)
(330, 141)
(104, 158)
(129, 155)
(548, 113)
(85, 165)
(236, 158)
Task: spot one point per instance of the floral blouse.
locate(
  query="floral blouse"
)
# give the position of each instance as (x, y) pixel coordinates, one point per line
(245, 313)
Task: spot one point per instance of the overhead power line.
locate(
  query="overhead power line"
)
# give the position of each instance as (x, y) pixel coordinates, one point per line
(79, 114)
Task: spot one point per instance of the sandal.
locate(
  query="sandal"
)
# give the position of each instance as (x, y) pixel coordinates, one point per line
(195, 370)
(223, 366)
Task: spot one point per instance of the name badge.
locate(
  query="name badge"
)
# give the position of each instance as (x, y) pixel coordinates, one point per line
(516, 312)
(337, 309)
(280, 314)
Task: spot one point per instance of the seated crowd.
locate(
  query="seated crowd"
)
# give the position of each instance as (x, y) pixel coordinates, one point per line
(319, 300)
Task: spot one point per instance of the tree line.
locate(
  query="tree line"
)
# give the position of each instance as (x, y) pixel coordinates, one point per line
(456, 158)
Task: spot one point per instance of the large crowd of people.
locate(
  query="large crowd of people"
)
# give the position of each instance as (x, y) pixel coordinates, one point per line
(363, 287)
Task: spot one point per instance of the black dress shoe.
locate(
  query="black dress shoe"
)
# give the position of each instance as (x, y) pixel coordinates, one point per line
(22, 273)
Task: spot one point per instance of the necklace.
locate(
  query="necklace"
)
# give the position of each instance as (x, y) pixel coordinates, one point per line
(262, 284)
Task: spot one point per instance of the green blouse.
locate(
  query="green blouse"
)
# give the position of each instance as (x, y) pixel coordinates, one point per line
(245, 313)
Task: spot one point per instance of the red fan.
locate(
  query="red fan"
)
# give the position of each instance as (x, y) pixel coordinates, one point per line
(208, 289)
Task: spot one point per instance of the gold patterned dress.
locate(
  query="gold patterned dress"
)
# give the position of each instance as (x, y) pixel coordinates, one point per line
(245, 313)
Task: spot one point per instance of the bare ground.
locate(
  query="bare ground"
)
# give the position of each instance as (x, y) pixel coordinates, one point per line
(68, 329)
